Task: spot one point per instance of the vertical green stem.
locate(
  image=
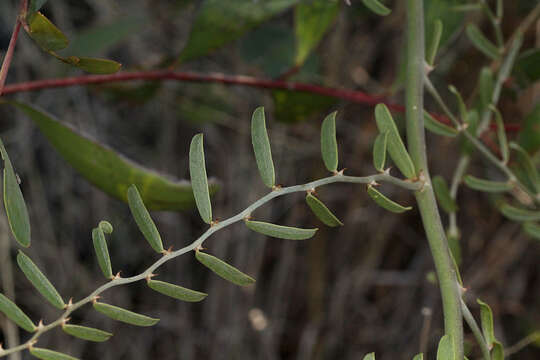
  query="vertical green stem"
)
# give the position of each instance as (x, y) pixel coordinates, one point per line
(425, 198)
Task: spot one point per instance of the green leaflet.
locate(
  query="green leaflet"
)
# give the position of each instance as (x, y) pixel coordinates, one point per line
(497, 353)
(481, 42)
(261, 147)
(40, 282)
(418, 357)
(329, 149)
(532, 229)
(377, 7)
(527, 66)
(105, 226)
(445, 350)
(93, 65)
(16, 211)
(463, 113)
(86, 333)
(15, 314)
(443, 194)
(322, 212)
(486, 321)
(224, 270)
(45, 34)
(433, 46)
(46, 354)
(370, 356)
(438, 127)
(102, 252)
(525, 162)
(123, 315)
(395, 145)
(110, 171)
(175, 291)
(219, 22)
(279, 231)
(379, 151)
(199, 180)
(501, 134)
(311, 21)
(487, 185)
(517, 214)
(385, 202)
(486, 85)
(143, 219)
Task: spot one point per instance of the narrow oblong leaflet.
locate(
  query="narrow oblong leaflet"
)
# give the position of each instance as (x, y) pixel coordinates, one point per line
(329, 149)
(102, 252)
(86, 333)
(481, 42)
(438, 127)
(379, 151)
(445, 351)
(279, 231)
(486, 321)
(40, 282)
(46, 354)
(443, 194)
(322, 212)
(395, 145)
(518, 214)
(487, 185)
(377, 7)
(261, 147)
(223, 269)
(199, 180)
(175, 291)
(123, 315)
(532, 229)
(385, 202)
(15, 314)
(143, 219)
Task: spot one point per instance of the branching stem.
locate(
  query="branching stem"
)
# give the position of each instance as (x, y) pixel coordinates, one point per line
(413, 186)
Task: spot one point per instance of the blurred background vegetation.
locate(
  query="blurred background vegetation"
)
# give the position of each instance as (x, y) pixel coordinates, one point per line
(360, 288)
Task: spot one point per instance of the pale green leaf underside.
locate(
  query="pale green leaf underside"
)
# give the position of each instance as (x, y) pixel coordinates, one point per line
(110, 171)
(175, 291)
(329, 148)
(487, 185)
(385, 202)
(519, 214)
(445, 351)
(46, 354)
(15, 314)
(379, 151)
(40, 282)
(280, 231)
(370, 356)
(199, 180)
(261, 147)
(322, 212)
(224, 270)
(16, 211)
(143, 219)
(123, 315)
(86, 333)
(102, 252)
(486, 321)
(443, 194)
(438, 127)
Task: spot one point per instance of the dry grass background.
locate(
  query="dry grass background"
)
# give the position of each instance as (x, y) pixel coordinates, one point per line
(348, 291)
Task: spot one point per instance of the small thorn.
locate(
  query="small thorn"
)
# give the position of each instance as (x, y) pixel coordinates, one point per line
(64, 321)
(199, 248)
(40, 325)
(373, 183)
(117, 276)
(311, 191)
(387, 171)
(214, 222)
(340, 172)
(277, 187)
(462, 127)
(150, 276)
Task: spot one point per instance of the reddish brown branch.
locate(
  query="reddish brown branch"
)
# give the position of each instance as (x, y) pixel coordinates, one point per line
(9, 53)
(344, 94)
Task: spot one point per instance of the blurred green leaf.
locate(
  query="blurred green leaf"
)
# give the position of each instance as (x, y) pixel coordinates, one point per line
(526, 67)
(481, 42)
(312, 19)
(497, 353)
(219, 22)
(279, 231)
(377, 7)
(527, 166)
(442, 10)
(529, 135)
(532, 229)
(431, 49)
(98, 39)
(16, 211)
(199, 179)
(487, 185)
(443, 194)
(485, 85)
(45, 33)
(501, 134)
(519, 214)
(261, 147)
(370, 356)
(110, 171)
(93, 65)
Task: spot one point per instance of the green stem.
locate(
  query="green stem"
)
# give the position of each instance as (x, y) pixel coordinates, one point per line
(414, 186)
(425, 198)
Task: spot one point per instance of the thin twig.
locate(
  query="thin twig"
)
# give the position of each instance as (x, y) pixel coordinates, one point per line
(11, 47)
(535, 336)
(413, 186)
